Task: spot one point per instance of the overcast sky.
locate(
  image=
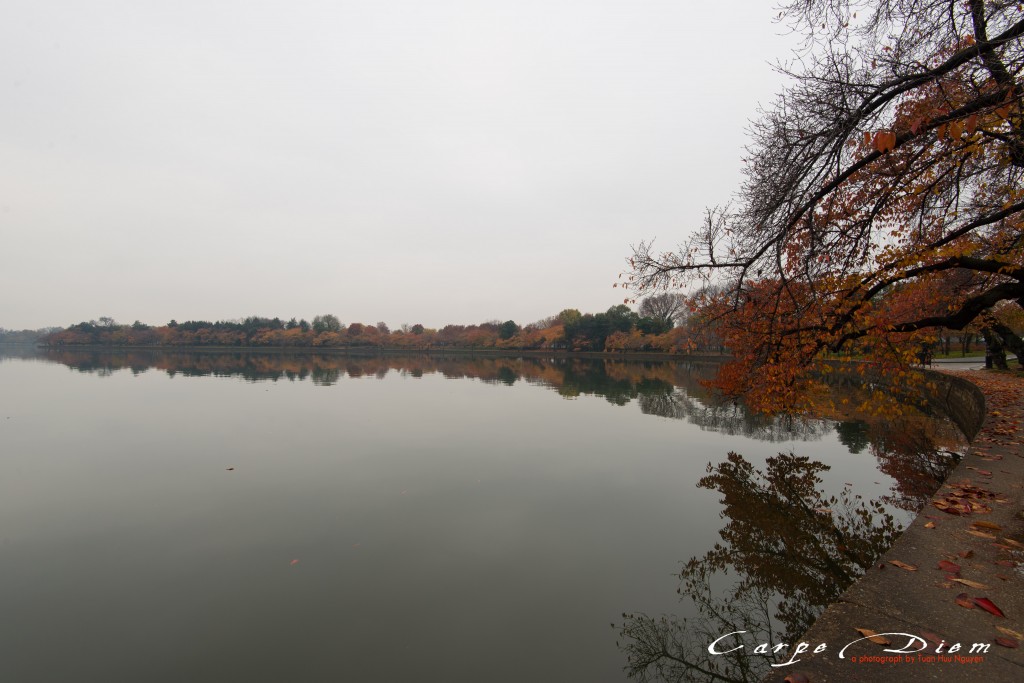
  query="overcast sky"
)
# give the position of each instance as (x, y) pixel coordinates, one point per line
(409, 161)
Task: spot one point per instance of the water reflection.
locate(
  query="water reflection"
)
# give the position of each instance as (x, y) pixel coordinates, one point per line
(792, 549)
(913, 448)
(789, 544)
(787, 551)
(671, 390)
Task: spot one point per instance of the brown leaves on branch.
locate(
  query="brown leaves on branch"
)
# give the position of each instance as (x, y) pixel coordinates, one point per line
(876, 209)
(884, 141)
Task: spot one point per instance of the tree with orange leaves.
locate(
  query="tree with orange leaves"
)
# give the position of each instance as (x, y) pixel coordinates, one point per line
(883, 196)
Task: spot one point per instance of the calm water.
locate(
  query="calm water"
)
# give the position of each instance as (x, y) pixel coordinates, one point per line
(226, 517)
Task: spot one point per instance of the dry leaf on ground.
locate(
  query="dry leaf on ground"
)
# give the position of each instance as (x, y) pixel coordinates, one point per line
(903, 565)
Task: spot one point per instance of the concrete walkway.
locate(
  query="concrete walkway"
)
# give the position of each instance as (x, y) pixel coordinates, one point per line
(906, 591)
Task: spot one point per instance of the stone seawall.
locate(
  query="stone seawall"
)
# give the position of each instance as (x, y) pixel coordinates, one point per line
(959, 400)
(955, 621)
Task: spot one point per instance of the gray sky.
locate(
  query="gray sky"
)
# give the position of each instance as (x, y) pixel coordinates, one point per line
(427, 161)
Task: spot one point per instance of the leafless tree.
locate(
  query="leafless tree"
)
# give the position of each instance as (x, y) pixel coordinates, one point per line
(669, 307)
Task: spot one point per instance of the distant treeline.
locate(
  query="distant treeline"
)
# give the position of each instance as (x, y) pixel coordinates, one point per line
(25, 336)
(617, 329)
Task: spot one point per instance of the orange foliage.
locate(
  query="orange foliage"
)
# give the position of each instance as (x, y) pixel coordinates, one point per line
(876, 212)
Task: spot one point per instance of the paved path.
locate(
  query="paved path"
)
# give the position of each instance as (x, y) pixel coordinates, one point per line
(941, 607)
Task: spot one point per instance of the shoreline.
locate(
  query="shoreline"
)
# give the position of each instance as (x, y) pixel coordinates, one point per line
(929, 603)
(392, 351)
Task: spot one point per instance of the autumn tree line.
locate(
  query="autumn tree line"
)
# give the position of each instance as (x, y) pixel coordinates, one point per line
(668, 323)
(663, 323)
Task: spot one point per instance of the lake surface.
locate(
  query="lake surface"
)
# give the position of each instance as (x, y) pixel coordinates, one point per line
(230, 517)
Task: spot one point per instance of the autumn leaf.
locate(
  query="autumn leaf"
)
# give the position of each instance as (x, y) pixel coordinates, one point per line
(947, 566)
(929, 525)
(903, 565)
(981, 534)
(982, 524)
(1007, 642)
(953, 507)
(1010, 632)
(965, 601)
(972, 124)
(972, 584)
(885, 141)
(989, 606)
(873, 636)
(796, 677)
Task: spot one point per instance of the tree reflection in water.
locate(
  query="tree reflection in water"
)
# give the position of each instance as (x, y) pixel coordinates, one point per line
(788, 549)
(910, 447)
(719, 414)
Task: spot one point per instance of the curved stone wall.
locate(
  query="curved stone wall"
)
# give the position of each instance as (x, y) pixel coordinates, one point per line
(959, 400)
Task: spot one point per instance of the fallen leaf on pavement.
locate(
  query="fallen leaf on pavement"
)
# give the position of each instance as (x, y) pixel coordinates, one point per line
(989, 606)
(1010, 632)
(965, 601)
(903, 565)
(873, 636)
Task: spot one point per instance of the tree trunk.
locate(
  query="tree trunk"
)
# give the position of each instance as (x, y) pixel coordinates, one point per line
(966, 339)
(995, 353)
(1009, 340)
